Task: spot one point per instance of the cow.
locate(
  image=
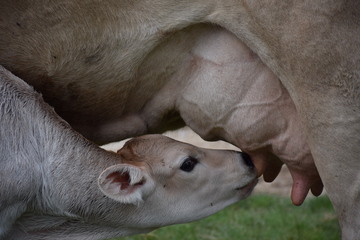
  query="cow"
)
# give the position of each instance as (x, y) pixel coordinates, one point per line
(55, 184)
(87, 57)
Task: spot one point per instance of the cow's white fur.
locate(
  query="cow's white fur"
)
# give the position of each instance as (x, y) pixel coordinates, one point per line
(55, 184)
(312, 46)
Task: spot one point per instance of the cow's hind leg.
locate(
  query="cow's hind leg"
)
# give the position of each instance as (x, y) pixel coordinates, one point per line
(333, 122)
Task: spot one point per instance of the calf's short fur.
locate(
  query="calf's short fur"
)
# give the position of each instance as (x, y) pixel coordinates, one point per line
(54, 184)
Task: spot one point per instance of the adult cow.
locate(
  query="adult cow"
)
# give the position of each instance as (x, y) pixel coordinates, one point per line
(68, 49)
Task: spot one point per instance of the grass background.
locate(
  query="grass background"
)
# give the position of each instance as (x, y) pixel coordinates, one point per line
(260, 217)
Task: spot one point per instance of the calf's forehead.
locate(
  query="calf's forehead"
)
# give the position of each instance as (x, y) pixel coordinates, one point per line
(158, 149)
(155, 147)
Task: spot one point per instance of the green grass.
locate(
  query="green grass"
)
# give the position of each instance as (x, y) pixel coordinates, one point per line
(260, 217)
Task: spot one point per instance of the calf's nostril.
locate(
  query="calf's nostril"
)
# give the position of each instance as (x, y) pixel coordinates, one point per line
(247, 160)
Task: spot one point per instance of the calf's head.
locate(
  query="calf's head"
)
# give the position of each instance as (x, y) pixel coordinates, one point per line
(164, 181)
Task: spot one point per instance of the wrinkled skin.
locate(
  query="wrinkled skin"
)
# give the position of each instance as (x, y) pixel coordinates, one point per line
(87, 59)
(253, 110)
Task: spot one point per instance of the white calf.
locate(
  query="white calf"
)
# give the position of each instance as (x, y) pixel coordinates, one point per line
(54, 184)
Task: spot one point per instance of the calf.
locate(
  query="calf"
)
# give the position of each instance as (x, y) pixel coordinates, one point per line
(54, 184)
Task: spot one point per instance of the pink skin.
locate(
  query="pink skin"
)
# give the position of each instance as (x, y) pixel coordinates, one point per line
(302, 182)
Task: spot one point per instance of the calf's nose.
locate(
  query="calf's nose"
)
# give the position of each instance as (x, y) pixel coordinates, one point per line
(247, 160)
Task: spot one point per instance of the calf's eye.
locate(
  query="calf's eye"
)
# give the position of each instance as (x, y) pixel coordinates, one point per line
(188, 164)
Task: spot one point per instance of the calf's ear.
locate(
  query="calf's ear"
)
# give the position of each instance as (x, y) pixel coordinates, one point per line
(126, 183)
